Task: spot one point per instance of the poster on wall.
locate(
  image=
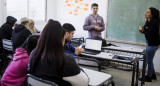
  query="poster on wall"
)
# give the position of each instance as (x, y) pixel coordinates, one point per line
(76, 7)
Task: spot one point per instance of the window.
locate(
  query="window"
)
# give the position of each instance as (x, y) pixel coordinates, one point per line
(33, 9)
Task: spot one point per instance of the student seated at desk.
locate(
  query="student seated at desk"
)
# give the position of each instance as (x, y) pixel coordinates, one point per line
(6, 29)
(20, 33)
(32, 27)
(69, 33)
(48, 60)
(16, 72)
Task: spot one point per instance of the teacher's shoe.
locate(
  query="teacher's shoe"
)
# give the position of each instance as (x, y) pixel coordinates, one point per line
(154, 77)
(147, 79)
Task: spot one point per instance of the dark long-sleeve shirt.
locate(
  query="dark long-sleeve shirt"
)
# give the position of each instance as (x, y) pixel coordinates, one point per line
(151, 31)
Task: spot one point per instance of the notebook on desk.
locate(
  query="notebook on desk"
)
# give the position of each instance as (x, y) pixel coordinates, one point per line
(92, 46)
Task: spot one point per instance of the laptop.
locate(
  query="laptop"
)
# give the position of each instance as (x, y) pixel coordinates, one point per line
(93, 46)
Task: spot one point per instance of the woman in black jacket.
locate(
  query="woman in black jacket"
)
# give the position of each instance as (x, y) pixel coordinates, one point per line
(48, 60)
(151, 32)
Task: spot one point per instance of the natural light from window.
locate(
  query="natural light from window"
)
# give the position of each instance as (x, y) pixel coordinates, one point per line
(33, 9)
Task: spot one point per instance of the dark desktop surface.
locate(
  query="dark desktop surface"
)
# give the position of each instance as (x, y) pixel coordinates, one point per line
(123, 58)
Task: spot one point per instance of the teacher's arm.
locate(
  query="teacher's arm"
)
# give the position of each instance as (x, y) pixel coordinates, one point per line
(141, 29)
(150, 31)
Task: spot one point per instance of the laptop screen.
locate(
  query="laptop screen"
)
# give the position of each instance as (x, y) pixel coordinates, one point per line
(93, 44)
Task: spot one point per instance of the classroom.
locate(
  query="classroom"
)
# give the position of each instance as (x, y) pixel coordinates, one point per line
(79, 42)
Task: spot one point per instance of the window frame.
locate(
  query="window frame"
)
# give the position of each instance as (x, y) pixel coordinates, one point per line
(45, 14)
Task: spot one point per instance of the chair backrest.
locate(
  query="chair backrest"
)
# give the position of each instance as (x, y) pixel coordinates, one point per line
(7, 45)
(36, 81)
(77, 41)
(89, 63)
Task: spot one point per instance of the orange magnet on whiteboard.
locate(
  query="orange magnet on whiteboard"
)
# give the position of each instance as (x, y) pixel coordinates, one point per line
(80, 0)
(68, 4)
(76, 1)
(78, 7)
(86, 5)
(75, 10)
(75, 14)
(70, 12)
(85, 9)
(66, 1)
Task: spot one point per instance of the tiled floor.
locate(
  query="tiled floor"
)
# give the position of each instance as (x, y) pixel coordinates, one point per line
(123, 78)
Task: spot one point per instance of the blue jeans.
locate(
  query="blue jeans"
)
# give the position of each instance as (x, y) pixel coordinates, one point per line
(150, 52)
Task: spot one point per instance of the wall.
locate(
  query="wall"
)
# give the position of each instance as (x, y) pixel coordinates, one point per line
(157, 60)
(2, 12)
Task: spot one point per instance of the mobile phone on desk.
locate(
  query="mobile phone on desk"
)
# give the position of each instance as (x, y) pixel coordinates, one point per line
(81, 45)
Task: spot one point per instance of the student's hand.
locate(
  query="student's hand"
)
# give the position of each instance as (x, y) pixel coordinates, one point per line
(78, 51)
(81, 50)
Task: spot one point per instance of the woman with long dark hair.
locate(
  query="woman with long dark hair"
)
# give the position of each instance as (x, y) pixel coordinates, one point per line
(48, 60)
(151, 32)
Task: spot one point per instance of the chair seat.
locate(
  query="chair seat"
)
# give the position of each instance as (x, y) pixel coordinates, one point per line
(36, 81)
(89, 63)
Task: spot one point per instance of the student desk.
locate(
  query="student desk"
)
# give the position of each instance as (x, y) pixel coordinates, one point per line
(129, 51)
(97, 78)
(106, 54)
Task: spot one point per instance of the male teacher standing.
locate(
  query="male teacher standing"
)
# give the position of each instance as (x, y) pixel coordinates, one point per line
(94, 23)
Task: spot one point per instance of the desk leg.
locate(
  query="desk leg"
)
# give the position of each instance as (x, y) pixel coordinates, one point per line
(133, 74)
(113, 84)
(137, 73)
(143, 70)
(0, 63)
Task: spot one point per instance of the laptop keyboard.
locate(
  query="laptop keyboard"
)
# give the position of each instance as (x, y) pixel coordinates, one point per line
(91, 52)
